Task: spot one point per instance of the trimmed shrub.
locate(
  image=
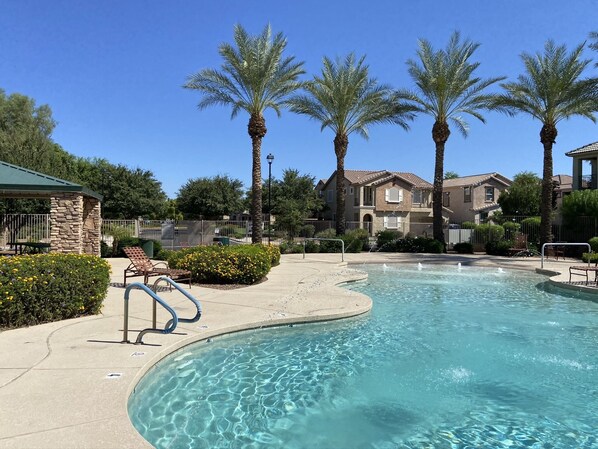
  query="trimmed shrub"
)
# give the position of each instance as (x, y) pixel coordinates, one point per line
(327, 246)
(273, 252)
(592, 258)
(511, 228)
(413, 245)
(40, 288)
(498, 248)
(594, 244)
(243, 264)
(307, 231)
(485, 233)
(463, 248)
(468, 225)
(134, 241)
(386, 236)
(355, 240)
(531, 227)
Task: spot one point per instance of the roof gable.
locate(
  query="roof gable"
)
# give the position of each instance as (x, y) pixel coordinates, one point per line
(589, 148)
(15, 179)
(475, 180)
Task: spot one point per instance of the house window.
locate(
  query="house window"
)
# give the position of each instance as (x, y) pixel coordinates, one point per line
(417, 197)
(368, 196)
(330, 196)
(446, 199)
(392, 222)
(467, 194)
(489, 194)
(356, 197)
(394, 195)
(350, 190)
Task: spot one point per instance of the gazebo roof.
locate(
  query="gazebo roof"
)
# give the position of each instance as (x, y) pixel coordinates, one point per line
(19, 182)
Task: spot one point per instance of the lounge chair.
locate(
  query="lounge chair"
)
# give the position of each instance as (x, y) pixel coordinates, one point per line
(141, 265)
(519, 247)
(584, 270)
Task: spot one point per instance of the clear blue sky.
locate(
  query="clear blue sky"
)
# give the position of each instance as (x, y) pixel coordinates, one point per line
(112, 73)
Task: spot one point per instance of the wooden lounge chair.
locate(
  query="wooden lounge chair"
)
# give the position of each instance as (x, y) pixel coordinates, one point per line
(584, 270)
(519, 247)
(141, 265)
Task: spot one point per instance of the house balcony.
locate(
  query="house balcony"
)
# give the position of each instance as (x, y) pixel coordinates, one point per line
(587, 182)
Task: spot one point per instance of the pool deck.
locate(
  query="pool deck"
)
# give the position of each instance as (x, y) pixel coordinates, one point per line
(66, 384)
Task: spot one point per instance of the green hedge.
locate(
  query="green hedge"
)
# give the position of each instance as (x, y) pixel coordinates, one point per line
(463, 248)
(49, 287)
(413, 245)
(500, 248)
(244, 264)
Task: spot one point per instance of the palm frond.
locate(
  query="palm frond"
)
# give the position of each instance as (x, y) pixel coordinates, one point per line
(445, 83)
(551, 89)
(254, 75)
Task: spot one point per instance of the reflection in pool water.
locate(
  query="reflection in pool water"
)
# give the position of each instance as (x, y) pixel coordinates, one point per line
(448, 357)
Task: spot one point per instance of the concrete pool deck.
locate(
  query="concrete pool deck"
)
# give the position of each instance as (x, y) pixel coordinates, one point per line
(66, 384)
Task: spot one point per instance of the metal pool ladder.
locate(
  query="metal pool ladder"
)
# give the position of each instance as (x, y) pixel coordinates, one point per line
(172, 323)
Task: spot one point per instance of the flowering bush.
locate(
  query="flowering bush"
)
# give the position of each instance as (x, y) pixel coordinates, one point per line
(244, 264)
(50, 287)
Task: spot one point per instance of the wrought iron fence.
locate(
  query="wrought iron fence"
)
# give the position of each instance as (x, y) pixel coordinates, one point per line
(181, 234)
(20, 227)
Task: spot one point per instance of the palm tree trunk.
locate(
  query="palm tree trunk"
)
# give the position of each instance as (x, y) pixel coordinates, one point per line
(341, 143)
(547, 137)
(257, 130)
(440, 134)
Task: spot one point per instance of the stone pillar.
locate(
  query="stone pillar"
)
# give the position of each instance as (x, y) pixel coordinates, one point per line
(66, 223)
(92, 226)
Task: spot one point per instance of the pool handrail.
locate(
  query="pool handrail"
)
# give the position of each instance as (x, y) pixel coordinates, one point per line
(169, 328)
(184, 292)
(334, 240)
(565, 244)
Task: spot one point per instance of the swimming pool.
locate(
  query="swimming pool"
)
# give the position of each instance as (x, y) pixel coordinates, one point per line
(449, 357)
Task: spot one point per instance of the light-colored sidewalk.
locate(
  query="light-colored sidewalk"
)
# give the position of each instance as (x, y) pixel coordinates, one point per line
(66, 384)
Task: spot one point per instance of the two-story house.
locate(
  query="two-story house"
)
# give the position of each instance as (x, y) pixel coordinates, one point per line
(473, 198)
(585, 174)
(382, 199)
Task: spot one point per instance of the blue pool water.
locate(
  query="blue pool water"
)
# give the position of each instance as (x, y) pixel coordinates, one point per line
(448, 358)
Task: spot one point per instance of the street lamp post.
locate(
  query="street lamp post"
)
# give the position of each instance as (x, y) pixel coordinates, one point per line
(270, 158)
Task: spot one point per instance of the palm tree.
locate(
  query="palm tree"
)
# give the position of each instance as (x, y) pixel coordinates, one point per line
(346, 100)
(594, 45)
(445, 89)
(254, 77)
(550, 90)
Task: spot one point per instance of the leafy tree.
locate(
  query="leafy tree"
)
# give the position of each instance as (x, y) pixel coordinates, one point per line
(346, 100)
(210, 198)
(446, 88)
(551, 90)
(254, 77)
(523, 197)
(451, 175)
(580, 203)
(128, 193)
(294, 199)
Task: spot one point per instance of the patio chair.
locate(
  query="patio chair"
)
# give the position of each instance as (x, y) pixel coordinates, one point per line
(141, 265)
(519, 247)
(584, 270)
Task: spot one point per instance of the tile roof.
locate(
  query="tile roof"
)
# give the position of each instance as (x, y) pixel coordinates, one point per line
(565, 181)
(365, 176)
(362, 176)
(591, 147)
(487, 206)
(475, 180)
